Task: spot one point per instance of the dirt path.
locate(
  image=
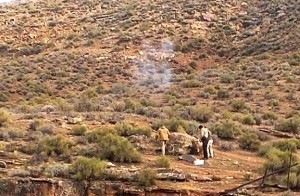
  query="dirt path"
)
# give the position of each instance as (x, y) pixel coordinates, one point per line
(232, 168)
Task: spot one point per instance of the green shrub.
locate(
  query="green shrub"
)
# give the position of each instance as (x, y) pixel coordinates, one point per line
(226, 130)
(35, 124)
(4, 117)
(191, 84)
(97, 134)
(125, 129)
(226, 79)
(274, 102)
(226, 146)
(57, 170)
(222, 94)
(238, 105)
(86, 168)
(291, 125)
(173, 124)
(116, 148)
(201, 113)
(269, 116)
(287, 144)
(112, 146)
(4, 97)
(210, 90)
(57, 144)
(46, 129)
(263, 136)
(79, 130)
(84, 104)
(146, 177)
(162, 162)
(249, 141)
(248, 120)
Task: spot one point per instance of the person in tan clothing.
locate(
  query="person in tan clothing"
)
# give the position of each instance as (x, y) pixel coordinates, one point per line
(163, 135)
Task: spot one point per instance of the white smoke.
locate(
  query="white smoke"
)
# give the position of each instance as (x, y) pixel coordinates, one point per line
(153, 68)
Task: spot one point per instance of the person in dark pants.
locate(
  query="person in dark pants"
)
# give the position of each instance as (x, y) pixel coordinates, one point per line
(204, 137)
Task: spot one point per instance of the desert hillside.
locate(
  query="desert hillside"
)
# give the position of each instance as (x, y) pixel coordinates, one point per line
(85, 85)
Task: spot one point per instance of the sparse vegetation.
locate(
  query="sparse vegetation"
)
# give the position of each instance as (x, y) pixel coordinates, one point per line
(54, 144)
(249, 142)
(86, 168)
(146, 177)
(122, 66)
(4, 117)
(162, 162)
(226, 130)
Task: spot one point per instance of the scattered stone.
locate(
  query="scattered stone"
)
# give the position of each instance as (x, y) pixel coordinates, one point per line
(75, 120)
(3, 164)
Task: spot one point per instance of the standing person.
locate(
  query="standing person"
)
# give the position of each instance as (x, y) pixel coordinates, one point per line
(209, 145)
(163, 135)
(206, 139)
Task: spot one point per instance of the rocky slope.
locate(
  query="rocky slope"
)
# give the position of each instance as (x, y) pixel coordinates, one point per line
(99, 64)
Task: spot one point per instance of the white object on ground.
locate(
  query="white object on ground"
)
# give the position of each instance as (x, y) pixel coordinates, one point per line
(199, 162)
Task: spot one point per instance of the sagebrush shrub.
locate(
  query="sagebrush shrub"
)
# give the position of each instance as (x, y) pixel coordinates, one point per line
(146, 177)
(4, 117)
(291, 125)
(113, 147)
(79, 130)
(86, 168)
(162, 162)
(248, 120)
(238, 105)
(201, 113)
(249, 141)
(57, 144)
(226, 130)
(35, 124)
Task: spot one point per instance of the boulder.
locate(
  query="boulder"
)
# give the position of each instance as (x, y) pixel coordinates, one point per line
(3, 164)
(179, 143)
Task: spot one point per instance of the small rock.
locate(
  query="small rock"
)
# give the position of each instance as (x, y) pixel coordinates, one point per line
(3, 164)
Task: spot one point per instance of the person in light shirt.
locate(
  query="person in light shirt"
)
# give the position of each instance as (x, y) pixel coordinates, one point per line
(207, 141)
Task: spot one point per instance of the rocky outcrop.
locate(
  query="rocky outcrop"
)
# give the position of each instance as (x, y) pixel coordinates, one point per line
(33, 186)
(179, 143)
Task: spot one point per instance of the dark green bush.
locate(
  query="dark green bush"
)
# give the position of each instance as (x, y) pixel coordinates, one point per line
(146, 177)
(226, 130)
(249, 141)
(162, 162)
(86, 168)
(57, 144)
